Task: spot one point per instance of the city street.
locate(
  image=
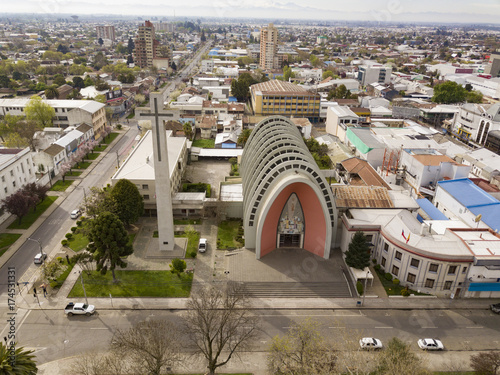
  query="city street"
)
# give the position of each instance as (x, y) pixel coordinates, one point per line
(55, 336)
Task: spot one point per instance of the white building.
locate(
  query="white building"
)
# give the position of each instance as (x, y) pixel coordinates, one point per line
(207, 66)
(474, 121)
(16, 170)
(372, 72)
(338, 119)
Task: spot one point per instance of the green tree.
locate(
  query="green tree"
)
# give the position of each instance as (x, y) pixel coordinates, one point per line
(129, 202)
(302, 351)
(398, 358)
(98, 201)
(177, 266)
(358, 253)
(100, 41)
(287, 73)
(188, 130)
(40, 112)
(51, 93)
(449, 92)
(108, 242)
(78, 82)
(474, 96)
(23, 362)
(59, 80)
(243, 137)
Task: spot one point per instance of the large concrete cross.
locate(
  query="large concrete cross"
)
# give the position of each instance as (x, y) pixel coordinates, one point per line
(162, 175)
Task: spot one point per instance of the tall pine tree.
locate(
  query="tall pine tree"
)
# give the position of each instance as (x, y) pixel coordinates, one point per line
(358, 253)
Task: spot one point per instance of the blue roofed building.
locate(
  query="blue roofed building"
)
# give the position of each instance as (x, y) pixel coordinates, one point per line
(463, 199)
(428, 211)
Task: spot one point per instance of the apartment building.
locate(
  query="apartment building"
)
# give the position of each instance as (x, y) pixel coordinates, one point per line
(269, 47)
(106, 32)
(145, 45)
(16, 170)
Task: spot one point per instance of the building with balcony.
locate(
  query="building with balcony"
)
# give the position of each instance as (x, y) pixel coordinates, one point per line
(145, 45)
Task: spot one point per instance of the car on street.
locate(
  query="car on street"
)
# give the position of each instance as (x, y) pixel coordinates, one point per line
(79, 309)
(202, 246)
(430, 344)
(495, 308)
(39, 258)
(75, 214)
(370, 343)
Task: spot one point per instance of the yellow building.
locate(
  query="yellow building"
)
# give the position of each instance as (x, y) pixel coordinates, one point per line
(284, 98)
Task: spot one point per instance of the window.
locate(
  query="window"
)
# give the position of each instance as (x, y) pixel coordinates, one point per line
(383, 262)
(464, 270)
(386, 247)
(5, 189)
(11, 172)
(146, 197)
(145, 187)
(433, 267)
(447, 285)
(429, 283)
(452, 270)
(14, 183)
(398, 255)
(395, 270)
(369, 238)
(3, 178)
(414, 263)
(411, 278)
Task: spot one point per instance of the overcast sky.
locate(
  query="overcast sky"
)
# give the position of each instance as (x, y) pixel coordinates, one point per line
(470, 11)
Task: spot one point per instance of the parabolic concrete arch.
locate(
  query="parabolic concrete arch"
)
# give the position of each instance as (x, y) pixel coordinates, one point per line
(287, 201)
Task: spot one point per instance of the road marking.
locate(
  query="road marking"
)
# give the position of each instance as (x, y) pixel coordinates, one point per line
(100, 328)
(429, 327)
(383, 327)
(474, 327)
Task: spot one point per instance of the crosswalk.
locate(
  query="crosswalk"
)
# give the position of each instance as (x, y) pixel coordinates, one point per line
(295, 290)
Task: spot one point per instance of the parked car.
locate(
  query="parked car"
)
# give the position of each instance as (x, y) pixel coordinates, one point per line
(75, 214)
(495, 308)
(79, 309)
(202, 246)
(430, 344)
(39, 258)
(370, 343)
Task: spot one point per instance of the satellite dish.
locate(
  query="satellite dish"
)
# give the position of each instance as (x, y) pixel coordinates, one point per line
(478, 218)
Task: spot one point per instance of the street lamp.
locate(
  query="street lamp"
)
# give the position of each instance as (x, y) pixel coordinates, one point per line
(40, 246)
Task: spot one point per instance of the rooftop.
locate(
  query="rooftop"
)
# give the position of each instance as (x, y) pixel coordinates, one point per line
(280, 88)
(361, 197)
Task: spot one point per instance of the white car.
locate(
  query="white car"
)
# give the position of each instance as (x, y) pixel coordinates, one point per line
(202, 246)
(39, 258)
(75, 214)
(370, 343)
(79, 309)
(430, 344)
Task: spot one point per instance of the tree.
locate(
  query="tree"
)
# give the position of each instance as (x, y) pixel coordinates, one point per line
(39, 112)
(449, 92)
(86, 262)
(78, 82)
(398, 358)
(358, 253)
(59, 80)
(130, 46)
(243, 137)
(240, 88)
(188, 130)
(150, 345)
(474, 96)
(51, 93)
(39, 191)
(108, 242)
(302, 351)
(177, 266)
(173, 66)
(21, 363)
(98, 201)
(339, 92)
(15, 130)
(219, 324)
(486, 363)
(64, 168)
(100, 41)
(129, 202)
(18, 203)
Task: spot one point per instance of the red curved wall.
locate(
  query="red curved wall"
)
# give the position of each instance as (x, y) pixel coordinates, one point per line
(314, 220)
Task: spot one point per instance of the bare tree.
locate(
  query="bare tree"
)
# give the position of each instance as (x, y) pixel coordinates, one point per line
(151, 346)
(486, 363)
(96, 363)
(398, 358)
(302, 351)
(219, 324)
(98, 201)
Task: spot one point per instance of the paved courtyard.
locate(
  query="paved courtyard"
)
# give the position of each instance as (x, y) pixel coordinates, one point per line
(212, 172)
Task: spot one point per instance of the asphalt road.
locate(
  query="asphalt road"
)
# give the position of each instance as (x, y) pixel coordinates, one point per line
(55, 336)
(52, 231)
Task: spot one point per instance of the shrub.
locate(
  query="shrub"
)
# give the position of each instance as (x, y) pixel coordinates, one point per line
(68, 235)
(405, 292)
(64, 242)
(377, 267)
(119, 126)
(79, 222)
(374, 261)
(193, 254)
(396, 281)
(73, 229)
(388, 276)
(359, 287)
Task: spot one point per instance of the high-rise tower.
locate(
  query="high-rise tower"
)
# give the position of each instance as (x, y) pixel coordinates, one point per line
(269, 47)
(145, 45)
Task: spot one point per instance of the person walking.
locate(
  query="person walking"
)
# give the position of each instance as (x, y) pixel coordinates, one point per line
(44, 288)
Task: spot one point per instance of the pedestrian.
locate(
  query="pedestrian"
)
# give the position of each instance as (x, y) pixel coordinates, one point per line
(34, 291)
(67, 258)
(44, 288)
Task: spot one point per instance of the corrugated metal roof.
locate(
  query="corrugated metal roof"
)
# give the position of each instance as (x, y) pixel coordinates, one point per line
(362, 197)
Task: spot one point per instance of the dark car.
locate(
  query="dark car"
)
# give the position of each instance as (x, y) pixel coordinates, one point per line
(495, 308)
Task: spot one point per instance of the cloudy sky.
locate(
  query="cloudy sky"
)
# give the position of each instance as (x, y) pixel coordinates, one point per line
(470, 11)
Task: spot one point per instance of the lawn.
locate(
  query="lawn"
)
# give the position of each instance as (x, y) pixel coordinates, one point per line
(73, 174)
(135, 284)
(6, 240)
(61, 185)
(395, 290)
(110, 138)
(31, 217)
(83, 165)
(193, 239)
(204, 143)
(100, 148)
(78, 242)
(62, 278)
(92, 156)
(227, 235)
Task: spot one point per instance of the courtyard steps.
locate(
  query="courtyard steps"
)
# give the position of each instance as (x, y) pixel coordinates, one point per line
(295, 290)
